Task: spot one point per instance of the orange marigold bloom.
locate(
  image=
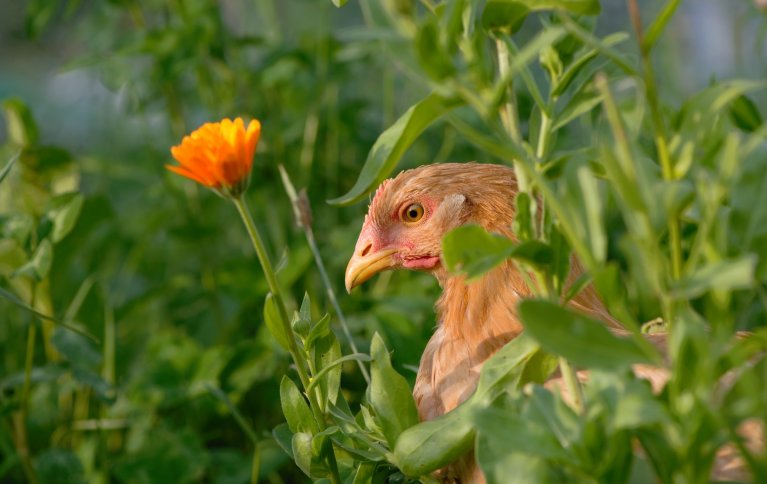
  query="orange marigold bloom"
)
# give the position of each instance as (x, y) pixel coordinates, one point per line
(219, 155)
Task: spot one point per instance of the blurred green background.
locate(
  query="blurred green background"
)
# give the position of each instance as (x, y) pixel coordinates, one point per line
(159, 270)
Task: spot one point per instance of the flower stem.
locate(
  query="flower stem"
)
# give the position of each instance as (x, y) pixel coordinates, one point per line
(309, 233)
(298, 357)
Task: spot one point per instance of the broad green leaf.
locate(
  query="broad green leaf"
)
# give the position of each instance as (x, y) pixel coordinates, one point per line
(7, 168)
(504, 15)
(40, 264)
(63, 212)
(743, 111)
(581, 340)
(509, 14)
(22, 129)
(295, 408)
(725, 275)
(324, 352)
(473, 251)
(284, 438)
(339, 3)
(390, 394)
(393, 143)
(509, 433)
(78, 350)
(365, 472)
(305, 459)
(435, 443)
(506, 367)
(273, 323)
(434, 60)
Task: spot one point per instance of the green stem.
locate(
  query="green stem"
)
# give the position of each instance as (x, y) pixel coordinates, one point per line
(573, 385)
(509, 116)
(543, 136)
(304, 221)
(508, 110)
(274, 287)
(255, 469)
(661, 144)
(20, 417)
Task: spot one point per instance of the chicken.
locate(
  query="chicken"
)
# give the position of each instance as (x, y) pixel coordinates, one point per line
(404, 227)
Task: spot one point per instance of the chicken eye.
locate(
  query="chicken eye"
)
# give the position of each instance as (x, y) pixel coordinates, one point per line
(413, 212)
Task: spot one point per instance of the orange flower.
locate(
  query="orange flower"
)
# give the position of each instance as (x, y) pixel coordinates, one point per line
(219, 155)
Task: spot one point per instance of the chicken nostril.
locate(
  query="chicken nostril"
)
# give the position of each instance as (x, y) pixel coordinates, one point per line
(366, 250)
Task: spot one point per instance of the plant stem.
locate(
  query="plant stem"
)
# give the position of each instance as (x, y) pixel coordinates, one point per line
(509, 116)
(303, 221)
(573, 385)
(19, 417)
(274, 287)
(661, 144)
(509, 108)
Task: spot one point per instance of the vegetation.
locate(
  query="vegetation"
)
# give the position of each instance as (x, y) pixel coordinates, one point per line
(143, 340)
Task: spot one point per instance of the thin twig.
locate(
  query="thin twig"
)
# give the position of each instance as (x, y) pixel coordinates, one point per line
(303, 220)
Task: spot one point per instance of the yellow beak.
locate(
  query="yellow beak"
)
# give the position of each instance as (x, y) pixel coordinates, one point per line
(363, 266)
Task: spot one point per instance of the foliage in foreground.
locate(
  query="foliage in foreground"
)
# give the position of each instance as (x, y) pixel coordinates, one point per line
(661, 203)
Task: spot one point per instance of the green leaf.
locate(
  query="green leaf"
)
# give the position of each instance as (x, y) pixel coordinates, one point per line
(332, 365)
(504, 370)
(509, 14)
(295, 408)
(724, 275)
(320, 329)
(500, 432)
(577, 65)
(78, 350)
(390, 394)
(743, 112)
(435, 443)
(324, 352)
(434, 60)
(284, 438)
(471, 250)
(581, 340)
(273, 323)
(40, 264)
(22, 129)
(7, 168)
(305, 459)
(63, 211)
(581, 103)
(339, 3)
(657, 26)
(504, 14)
(392, 144)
